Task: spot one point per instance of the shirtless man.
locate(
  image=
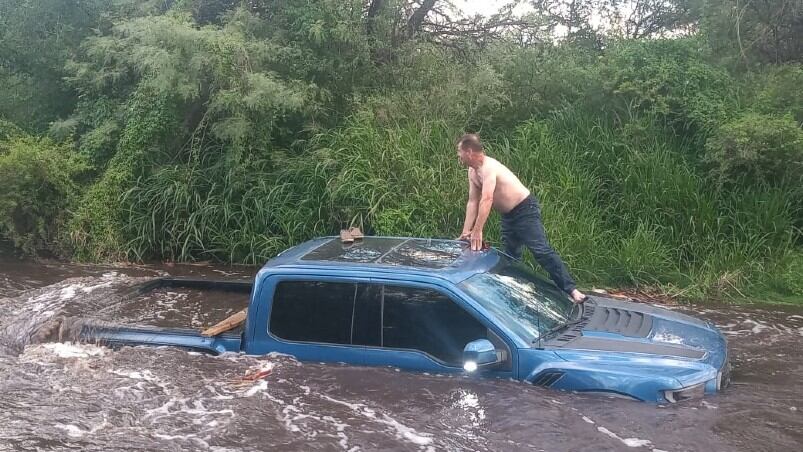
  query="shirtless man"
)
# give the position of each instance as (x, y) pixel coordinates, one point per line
(491, 184)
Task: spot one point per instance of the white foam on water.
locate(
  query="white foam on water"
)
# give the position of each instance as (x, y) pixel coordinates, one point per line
(161, 411)
(146, 375)
(757, 326)
(70, 350)
(410, 434)
(261, 386)
(77, 432)
(588, 420)
(190, 437)
(635, 442)
(468, 400)
(72, 430)
(90, 289)
(199, 409)
(339, 426)
(216, 395)
(68, 292)
(402, 431)
(291, 415)
(629, 442)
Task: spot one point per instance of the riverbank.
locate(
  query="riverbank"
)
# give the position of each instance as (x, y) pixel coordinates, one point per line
(25, 272)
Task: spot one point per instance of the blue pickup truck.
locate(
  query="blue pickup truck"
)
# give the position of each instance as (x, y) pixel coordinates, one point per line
(436, 306)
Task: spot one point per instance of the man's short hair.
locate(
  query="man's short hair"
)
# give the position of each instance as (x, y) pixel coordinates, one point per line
(470, 141)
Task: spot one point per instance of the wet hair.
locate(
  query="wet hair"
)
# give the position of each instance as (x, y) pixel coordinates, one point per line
(470, 141)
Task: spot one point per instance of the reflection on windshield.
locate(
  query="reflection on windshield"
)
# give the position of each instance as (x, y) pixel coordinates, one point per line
(519, 299)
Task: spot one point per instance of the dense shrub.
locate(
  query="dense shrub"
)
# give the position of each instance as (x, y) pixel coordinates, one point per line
(757, 149)
(670, 78)
(778, 90)
(39, 187)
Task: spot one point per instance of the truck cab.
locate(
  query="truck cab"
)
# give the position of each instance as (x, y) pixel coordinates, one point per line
(382, 301)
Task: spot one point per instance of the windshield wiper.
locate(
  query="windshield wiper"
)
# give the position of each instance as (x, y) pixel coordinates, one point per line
(562, 326)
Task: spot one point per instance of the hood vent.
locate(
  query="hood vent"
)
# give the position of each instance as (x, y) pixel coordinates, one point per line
(619, 321)
(547, 378)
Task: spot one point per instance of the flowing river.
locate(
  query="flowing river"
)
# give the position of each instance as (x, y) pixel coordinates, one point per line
(62, 396)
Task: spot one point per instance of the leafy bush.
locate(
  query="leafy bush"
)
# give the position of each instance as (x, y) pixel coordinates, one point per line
(541, 80)
(791, 274)
(670, 78)
(39, 187)
(96, 229)
(779, 91)
(9, 130)
(757, 149)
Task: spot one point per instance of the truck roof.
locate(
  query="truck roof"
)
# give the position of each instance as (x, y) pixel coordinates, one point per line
(448, 259)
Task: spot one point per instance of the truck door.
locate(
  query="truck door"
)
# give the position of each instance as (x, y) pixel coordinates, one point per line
(424, 328)
(309, 317)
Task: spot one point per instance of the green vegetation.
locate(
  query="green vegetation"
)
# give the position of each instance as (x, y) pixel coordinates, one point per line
(39, 189)
(665, 144)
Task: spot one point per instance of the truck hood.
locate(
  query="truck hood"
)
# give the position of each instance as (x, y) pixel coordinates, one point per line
(620, 327)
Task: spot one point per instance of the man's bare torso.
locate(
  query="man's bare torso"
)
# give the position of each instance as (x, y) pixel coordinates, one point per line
(509, 191)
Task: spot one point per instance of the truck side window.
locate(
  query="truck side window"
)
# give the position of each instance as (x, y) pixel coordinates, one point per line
(313, 311)
(426, 320)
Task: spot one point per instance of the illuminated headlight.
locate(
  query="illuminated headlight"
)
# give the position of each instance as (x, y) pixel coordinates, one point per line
(470, 366)
(692, 392)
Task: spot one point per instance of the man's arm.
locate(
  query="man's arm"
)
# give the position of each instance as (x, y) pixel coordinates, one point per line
(485, 204)
(471, 209)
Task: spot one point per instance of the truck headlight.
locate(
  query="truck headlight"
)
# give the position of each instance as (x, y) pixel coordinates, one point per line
(691, 392)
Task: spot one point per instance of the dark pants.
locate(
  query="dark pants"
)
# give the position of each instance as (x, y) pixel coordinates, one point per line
(522, 227)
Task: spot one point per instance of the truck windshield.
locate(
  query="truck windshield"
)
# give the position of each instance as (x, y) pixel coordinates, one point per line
(519, 298)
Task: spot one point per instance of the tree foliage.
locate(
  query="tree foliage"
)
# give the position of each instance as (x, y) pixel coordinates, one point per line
(663, 136)
(39, 187)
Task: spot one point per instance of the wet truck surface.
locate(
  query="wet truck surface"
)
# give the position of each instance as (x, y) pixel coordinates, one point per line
(435, 306)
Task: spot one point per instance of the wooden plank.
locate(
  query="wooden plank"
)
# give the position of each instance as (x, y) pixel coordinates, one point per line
(232, 322)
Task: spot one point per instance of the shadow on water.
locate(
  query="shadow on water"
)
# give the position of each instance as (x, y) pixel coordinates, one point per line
(59, 396)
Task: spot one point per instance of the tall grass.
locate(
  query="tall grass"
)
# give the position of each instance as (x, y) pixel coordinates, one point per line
(623, 205)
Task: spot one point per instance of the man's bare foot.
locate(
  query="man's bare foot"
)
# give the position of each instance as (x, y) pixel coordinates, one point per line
(577, 296)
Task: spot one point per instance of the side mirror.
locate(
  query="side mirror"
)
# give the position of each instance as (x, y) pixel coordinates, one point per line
(480, 353)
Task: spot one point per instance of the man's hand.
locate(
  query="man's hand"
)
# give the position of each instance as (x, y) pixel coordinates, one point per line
(577, 296)
(476, 240)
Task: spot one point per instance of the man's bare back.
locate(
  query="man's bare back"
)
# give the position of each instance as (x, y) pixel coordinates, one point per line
(508, 192)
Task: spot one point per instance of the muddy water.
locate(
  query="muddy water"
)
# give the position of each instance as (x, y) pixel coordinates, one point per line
(82, 397)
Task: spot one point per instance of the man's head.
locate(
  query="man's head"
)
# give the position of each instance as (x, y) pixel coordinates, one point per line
(469, 150)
